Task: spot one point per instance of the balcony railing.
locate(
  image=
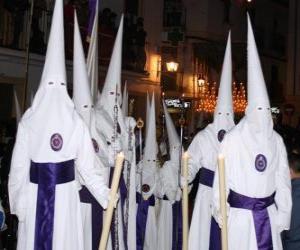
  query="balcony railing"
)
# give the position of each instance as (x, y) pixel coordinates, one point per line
(14, 32)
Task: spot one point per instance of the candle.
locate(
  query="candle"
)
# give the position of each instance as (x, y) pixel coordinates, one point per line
(110, 208)
(223, 203)
(185, 208)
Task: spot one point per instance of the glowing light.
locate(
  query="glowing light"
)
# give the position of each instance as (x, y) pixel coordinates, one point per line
(172, 66)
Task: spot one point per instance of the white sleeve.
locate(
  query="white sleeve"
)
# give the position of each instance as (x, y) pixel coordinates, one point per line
(283, 197)
(216, 211)
(88, 174)
(19, 175)
(167, 183)
(194, 162)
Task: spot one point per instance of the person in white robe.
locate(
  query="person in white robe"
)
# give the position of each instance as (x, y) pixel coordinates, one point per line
(204, 232)
(91, 210)
(110, 124)
(146, 179)
(52, 154)
(258, 185)
(169, 222)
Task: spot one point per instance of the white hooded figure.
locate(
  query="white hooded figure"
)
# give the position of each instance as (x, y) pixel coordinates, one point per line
(91, 211)
(169, 223)
(111, 126)
(129, 173)
(146, 227)
(52, 154)
(256, 170)
(204, 231)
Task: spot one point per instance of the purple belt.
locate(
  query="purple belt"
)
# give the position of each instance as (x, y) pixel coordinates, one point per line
(97, 213)
(206, 178)
(258, 206)
(141, 218)
(47, 176)
(123, 196)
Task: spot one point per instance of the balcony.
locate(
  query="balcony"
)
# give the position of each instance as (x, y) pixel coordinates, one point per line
(14, 27)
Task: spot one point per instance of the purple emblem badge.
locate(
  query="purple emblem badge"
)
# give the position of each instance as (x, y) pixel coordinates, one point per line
(56, 142)
(260, 163)
(221, 135)
(95, 144)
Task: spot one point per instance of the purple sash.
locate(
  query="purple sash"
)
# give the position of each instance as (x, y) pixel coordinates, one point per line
(207, 178)
(123, 194)
(177, 225)
(141, 218)
(97, 213)
(47, 176)
(258, 206)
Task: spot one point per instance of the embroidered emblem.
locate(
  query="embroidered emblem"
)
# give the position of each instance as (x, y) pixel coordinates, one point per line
(95, 145)
(260, 163)
(56, 142)
(221, 135)
(145, 188)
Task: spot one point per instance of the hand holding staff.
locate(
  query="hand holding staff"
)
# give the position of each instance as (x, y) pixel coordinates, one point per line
(185, 208)
(223, 203)
(111, 203)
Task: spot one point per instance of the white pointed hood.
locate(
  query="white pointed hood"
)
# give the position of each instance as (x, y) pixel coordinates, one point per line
(113, 76)
(150, 152)
(81, 91)
(223, 115)
(54, 67)
(111, 92)
(258, 113)
(173, 138)
(92, 58)
(52, 116)
(125, 101)
(17, 107)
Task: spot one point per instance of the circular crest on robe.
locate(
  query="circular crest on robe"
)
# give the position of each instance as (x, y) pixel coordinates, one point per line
(145, 188)
(95, 145)
(221, 135)
(260, 162)
(56, 142)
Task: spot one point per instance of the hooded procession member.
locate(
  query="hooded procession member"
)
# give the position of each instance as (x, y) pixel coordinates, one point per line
(91, 210)
(111, 125)
(52, 153)
(146, 228)
(170, 213)
(258, 184)
(204, 232)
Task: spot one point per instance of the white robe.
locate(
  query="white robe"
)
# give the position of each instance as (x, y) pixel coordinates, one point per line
(150, 237)
(101, 167)
(104, 127)
(68, 231)
(243, 178)
(167, 186)
(203, 153)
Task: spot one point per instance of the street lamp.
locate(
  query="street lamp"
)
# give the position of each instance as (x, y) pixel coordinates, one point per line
(172, 66)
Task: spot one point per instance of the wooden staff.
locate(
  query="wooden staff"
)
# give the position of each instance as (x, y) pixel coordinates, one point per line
(110, 208)
(223, 203)
(185, 203)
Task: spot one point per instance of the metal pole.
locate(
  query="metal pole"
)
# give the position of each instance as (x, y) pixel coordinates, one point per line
(27, 54)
